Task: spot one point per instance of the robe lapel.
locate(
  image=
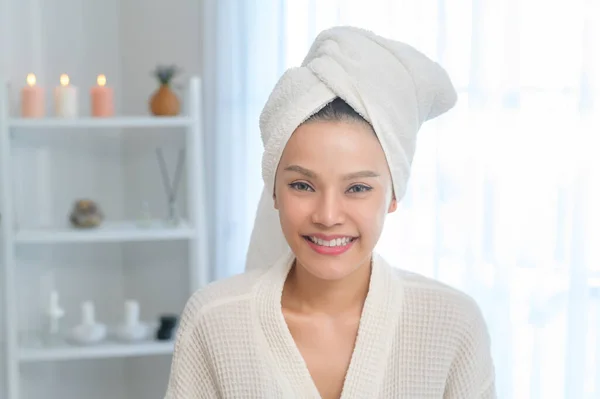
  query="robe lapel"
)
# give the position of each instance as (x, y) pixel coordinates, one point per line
(378, 324)
(286, 357)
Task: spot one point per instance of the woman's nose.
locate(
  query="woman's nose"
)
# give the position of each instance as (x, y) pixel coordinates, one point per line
(329, 210)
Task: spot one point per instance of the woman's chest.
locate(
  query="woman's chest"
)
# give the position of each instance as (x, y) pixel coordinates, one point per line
(316, 363)
(326, 346)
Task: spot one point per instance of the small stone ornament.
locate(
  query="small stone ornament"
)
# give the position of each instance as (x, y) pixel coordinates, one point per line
(86, 214)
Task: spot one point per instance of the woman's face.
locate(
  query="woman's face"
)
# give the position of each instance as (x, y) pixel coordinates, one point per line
(333, 190)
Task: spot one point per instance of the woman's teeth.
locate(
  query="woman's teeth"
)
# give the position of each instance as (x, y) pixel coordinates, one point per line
(336, 242)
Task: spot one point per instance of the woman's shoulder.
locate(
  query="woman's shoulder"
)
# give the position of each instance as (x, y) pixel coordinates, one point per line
(452, 323)
(233, 288)
(436, 299)
(207, 305)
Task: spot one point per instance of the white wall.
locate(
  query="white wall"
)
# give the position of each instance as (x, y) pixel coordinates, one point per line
(4, 29)
(123, 39)
(154, 32)
(3, 68)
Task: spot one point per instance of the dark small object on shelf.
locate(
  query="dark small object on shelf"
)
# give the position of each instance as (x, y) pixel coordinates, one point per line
(86, 214)
(166, 328)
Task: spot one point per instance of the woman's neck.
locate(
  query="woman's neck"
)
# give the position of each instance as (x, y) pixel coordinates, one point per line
(305, 293)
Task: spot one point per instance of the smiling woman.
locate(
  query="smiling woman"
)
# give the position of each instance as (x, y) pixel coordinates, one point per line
(325, 316)
(331, 210)
(333, 189)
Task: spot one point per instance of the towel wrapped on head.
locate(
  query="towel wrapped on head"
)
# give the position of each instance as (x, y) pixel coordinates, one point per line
(390, 84)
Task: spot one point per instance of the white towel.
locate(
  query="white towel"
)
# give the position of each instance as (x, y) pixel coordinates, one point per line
(392, 85)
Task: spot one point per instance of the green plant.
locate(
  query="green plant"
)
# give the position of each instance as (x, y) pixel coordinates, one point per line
(165, 74)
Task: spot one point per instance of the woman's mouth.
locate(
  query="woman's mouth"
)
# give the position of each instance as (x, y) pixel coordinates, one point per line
(334, 246)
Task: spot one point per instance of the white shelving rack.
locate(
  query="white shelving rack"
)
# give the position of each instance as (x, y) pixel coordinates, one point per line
(191, 230)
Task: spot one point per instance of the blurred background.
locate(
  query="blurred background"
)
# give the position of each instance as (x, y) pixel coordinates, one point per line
(502, 203)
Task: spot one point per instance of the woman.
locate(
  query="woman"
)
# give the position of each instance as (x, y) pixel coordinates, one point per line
(318, 314)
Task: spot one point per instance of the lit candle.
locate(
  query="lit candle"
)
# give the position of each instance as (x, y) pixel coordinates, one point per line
(102, 98)
(32, 99)
(65, 98)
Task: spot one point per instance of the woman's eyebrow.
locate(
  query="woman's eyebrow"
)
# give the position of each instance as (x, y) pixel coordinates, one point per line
(301, 170)
(309, 173)
(361, 174)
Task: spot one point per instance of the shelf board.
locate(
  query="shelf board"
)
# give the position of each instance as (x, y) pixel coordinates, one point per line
(100, 351)
(107, 232)
(113, 122)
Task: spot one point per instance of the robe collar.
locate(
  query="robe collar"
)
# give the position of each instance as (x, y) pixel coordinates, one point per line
(378, 326)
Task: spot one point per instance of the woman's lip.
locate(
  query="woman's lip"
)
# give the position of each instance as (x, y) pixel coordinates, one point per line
(331, 237)
(333, 251)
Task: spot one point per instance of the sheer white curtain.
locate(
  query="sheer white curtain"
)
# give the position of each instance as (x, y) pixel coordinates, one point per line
(241, 64)
(502, 199)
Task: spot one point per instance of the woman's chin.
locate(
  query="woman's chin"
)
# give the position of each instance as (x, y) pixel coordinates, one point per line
(330, 270)
(328, 275)
(330, 267)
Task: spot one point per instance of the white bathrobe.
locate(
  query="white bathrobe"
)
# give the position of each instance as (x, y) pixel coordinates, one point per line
(418, 339)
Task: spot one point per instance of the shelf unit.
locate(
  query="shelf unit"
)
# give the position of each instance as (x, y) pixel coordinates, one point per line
(103, 351)
(108, 232)
(97, 123)
(17, 353)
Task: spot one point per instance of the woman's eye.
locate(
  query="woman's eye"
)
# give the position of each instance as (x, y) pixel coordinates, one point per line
(300, 186)
(359, 188)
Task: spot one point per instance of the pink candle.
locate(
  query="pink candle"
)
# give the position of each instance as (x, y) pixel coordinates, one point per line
(102, 99)
(32, 99)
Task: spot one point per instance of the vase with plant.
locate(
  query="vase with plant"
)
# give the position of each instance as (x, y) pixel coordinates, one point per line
(164, 101)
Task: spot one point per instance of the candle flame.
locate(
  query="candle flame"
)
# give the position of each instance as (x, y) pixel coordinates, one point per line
(31, 79)
(101, 80)
(64, 79)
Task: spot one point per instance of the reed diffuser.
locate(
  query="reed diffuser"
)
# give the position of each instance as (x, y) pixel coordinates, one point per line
(171, 187)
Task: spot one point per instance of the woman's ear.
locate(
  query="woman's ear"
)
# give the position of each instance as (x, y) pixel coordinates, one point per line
(393, 205)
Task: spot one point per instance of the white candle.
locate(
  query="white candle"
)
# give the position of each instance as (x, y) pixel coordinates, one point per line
(53, 301)
(132, 313)
(88, 313)
(55, 312)
(65, 98)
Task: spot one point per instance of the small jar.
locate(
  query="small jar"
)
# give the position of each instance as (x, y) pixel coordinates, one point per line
(166, 328)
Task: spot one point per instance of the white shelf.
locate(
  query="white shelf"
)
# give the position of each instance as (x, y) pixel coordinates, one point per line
(100, 351)
(13, 351)
(112, 122)
(107, 232)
